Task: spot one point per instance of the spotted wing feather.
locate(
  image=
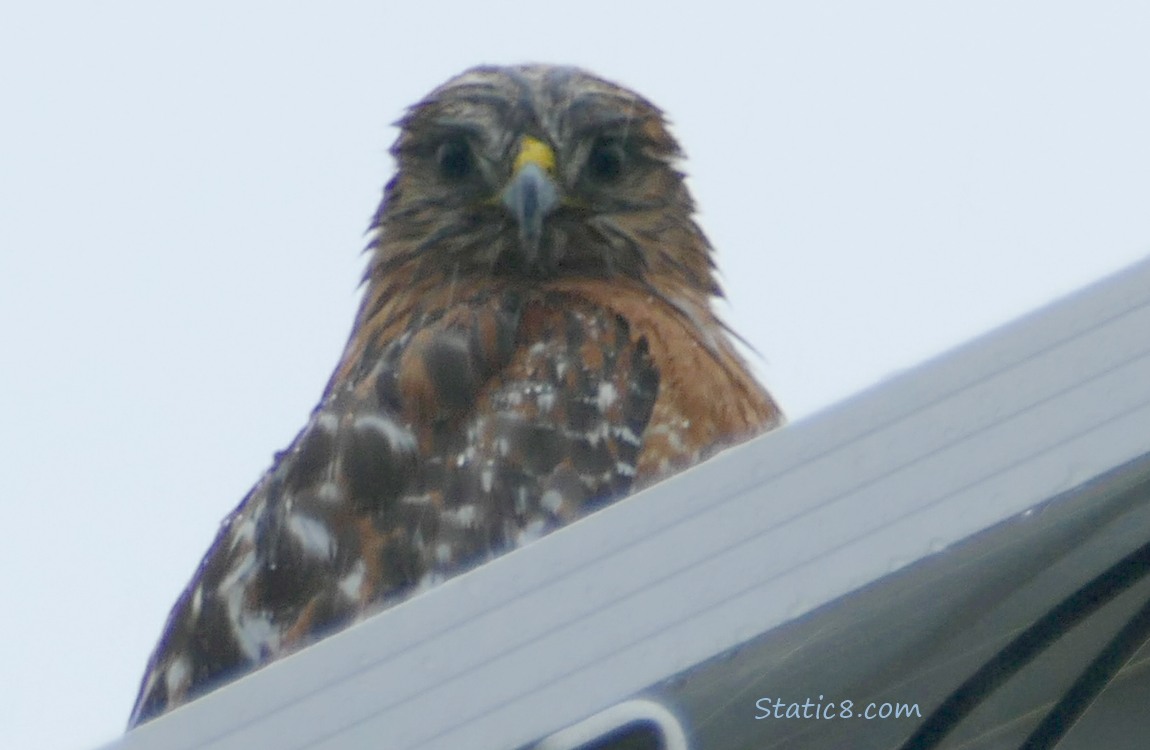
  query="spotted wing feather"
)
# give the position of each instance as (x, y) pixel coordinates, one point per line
(469, 434)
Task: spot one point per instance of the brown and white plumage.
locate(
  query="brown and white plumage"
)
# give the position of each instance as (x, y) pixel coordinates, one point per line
(536, 339)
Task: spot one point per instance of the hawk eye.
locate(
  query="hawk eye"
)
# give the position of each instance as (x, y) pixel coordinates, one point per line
(454, 159)
(605, 162)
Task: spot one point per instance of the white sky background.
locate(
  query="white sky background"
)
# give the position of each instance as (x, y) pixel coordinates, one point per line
(183, 195)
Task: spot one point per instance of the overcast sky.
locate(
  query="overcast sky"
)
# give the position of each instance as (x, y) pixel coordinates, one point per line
(184, 191)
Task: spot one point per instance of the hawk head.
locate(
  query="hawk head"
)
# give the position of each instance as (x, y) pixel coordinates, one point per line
(537, 172)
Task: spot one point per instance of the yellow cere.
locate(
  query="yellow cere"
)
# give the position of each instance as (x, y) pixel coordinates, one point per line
(535, 151)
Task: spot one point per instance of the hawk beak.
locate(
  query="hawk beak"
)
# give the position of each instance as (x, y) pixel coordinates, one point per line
(532, 193)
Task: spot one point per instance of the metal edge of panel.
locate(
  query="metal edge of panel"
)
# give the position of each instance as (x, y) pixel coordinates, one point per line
(913, 635)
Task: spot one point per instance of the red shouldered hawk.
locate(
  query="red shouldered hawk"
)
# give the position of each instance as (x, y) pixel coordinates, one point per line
(536, 339)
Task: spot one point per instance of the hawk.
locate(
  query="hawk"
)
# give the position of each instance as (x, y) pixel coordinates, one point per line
(536, 339)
